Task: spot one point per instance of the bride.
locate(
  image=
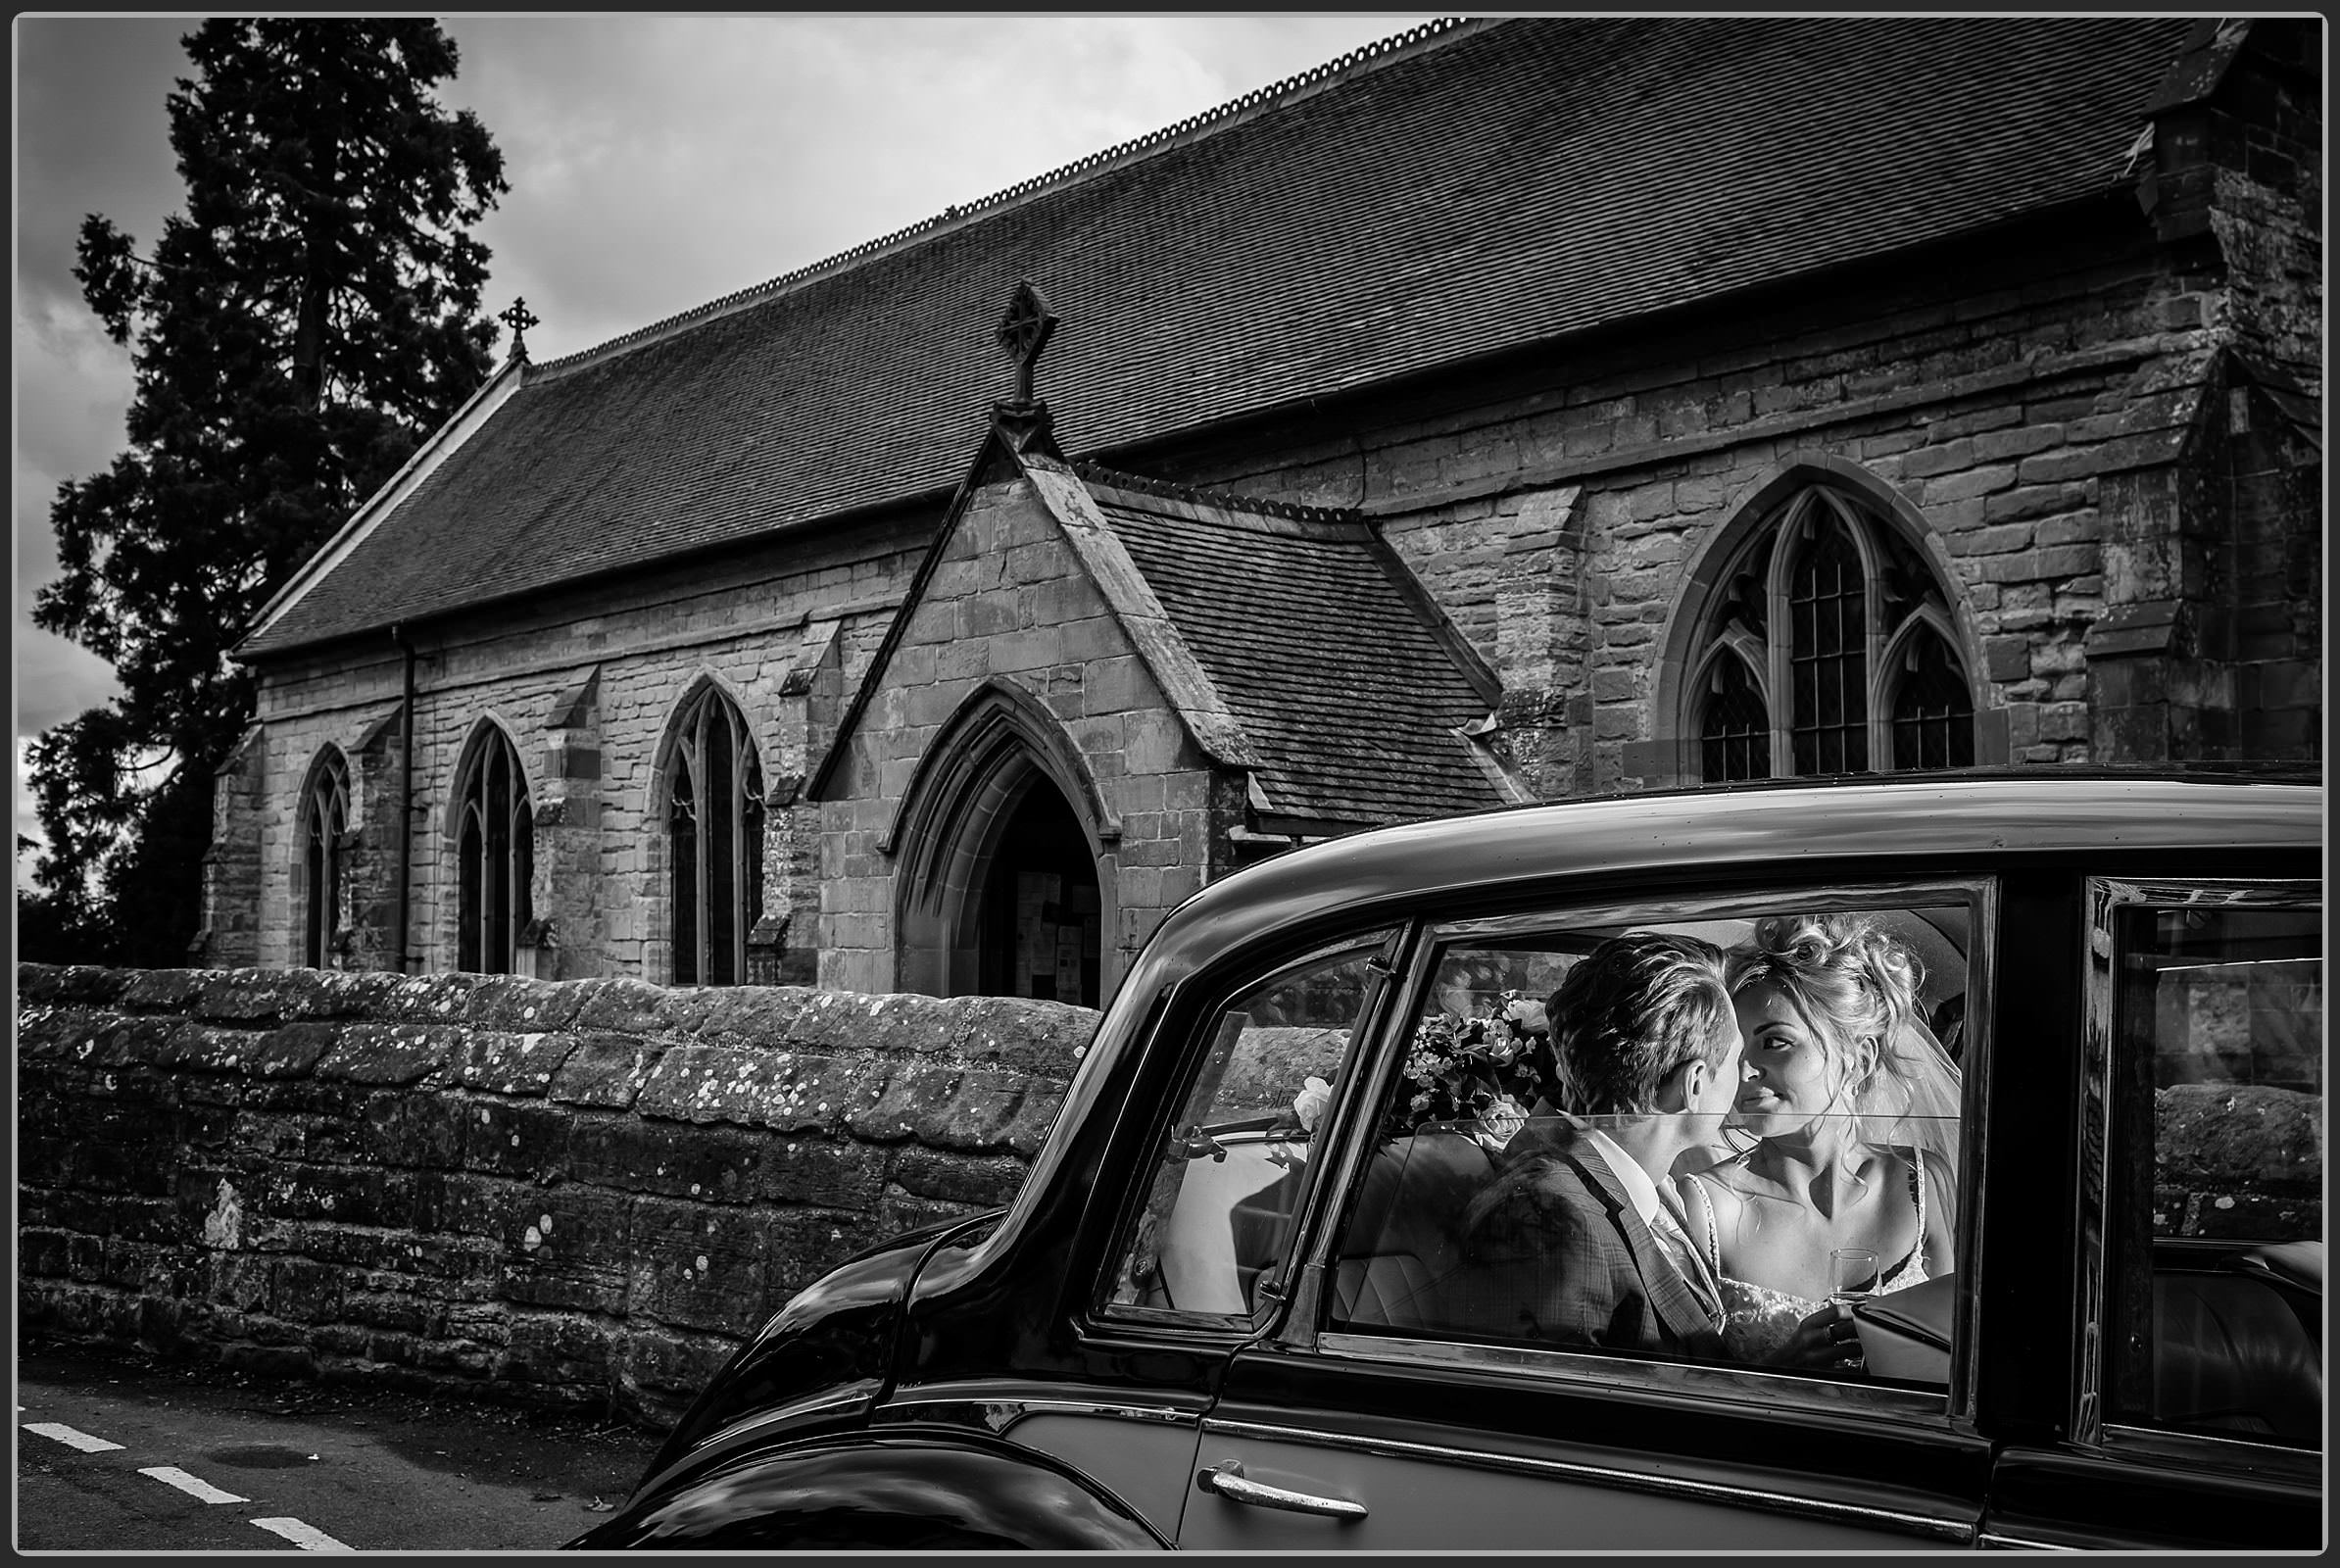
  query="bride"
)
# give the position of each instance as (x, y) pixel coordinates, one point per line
(1854, 1105)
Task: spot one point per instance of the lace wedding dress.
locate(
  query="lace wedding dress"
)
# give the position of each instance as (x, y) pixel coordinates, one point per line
(1758, 1320)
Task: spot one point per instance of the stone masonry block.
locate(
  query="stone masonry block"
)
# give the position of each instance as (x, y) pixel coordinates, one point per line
(343, 993)
(714, 1083)
(250, 996)
(525, 1005)
(747, 1016)
(668, 1158)
(434, 998)
(975, 1113)
(825, 1172)
(567, 1250)
(285, 1052)
(605, 1069)
(159, 990)
(2238, 1134)
(697, 1267)
(1019, 1034)
(910, 1092)
(503, 1063)
(518, 1139)
(345, 1195)
(625, 1005)
(958, 1179)
(122, 1042)
(416, 1131)
(842, 1023)
(391, 1053)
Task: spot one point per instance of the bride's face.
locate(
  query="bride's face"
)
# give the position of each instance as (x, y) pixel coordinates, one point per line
(1789, 1076)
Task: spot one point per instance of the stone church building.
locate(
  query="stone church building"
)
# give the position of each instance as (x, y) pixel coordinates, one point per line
(1512, 410)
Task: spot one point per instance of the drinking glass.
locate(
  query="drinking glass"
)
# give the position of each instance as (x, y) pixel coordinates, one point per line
(1853, 1272)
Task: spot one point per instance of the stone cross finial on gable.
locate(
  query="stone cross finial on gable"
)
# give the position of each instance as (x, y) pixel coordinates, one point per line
(1023, 332)
(519, 320)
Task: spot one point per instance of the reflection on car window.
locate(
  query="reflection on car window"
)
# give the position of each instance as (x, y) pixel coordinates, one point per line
(2218, 1225)
(1610, 1139)
(1236, 1162)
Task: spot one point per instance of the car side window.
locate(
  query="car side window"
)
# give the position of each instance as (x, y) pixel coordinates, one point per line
(2215, 1223)
(1550, 1169)
(1236, 1160)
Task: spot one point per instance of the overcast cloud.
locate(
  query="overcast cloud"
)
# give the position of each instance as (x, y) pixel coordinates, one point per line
(657, 163)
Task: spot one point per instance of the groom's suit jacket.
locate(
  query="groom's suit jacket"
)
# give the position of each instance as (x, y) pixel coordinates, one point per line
(1555, 1251)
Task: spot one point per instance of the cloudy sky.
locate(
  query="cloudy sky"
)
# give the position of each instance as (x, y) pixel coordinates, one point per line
(657, 163)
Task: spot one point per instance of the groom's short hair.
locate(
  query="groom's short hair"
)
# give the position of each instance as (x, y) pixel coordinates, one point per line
(1630, 1014)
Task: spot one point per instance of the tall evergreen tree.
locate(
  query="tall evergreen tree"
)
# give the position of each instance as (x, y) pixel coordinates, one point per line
(312, 316)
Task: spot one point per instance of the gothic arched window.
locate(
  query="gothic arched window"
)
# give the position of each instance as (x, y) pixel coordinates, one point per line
(715, 826)
(324, 819)
(495, 856)
(1828, 650)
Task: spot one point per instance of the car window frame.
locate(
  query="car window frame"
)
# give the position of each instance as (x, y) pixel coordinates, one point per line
(2090, 1425)
(1190, 1009)
(1302, 1329)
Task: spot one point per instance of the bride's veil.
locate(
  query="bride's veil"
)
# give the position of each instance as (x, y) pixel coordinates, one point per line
(1911, 1102)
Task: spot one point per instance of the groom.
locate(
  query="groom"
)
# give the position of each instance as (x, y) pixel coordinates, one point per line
(1578, 1243)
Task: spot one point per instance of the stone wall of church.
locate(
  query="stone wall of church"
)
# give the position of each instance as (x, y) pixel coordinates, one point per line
(582, 1194)
(586, 686)
(1010, 602)
(2034, 406)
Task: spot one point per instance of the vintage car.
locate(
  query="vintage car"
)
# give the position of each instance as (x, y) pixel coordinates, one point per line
(1220, 1312)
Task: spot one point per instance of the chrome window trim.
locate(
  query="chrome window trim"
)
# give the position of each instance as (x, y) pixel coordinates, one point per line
(1000, 1416)
(1949, 1529)
(1978, 893)
(1625, 1372)
(2008, 1543)
(1883, 892)
(2105, 895)
(2278, 1461)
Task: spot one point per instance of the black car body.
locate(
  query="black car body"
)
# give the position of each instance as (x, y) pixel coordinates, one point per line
(2127, 1355)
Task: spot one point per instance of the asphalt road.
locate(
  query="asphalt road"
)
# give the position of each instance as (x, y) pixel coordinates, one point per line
(128, 1456)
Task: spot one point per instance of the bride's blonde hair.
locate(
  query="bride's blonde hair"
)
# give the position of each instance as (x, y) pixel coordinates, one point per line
(1857, 985)
(1851, 981)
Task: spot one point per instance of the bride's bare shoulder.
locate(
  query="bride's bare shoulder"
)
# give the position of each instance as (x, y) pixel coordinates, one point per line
(1727, 1183)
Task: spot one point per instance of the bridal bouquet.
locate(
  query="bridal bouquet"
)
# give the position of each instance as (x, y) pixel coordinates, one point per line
(1486, 1072)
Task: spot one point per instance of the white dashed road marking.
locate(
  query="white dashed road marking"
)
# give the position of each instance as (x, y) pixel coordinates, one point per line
(306, 1537)
(195, 1487)
(70, 1438)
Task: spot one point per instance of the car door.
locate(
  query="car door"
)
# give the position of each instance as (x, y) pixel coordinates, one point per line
(2194, 1414)
(1380, 1415)
(1203, 1233)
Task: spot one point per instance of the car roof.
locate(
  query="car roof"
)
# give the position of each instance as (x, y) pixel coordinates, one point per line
(1909, 818)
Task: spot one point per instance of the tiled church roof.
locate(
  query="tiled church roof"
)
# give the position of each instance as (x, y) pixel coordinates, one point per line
(1336, 674)
(1480, 188)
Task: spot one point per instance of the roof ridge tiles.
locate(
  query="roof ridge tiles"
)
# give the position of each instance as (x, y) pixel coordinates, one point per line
(1219, 499)
(955, 213)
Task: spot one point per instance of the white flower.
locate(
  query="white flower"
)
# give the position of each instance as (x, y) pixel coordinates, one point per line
(1500, 1123)
(1311, 1102)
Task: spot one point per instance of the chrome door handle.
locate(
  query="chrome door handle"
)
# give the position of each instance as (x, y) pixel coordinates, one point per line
(1226, 1479)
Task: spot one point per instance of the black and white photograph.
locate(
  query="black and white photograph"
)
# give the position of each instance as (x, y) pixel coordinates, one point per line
(1250, 782)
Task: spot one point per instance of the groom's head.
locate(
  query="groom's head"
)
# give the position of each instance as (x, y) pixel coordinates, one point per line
(1643, 1024)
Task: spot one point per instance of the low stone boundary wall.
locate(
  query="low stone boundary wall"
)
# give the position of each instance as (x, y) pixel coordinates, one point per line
(579, 1193)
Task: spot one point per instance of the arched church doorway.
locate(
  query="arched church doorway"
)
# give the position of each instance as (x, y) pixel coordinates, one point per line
(1040, 926)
